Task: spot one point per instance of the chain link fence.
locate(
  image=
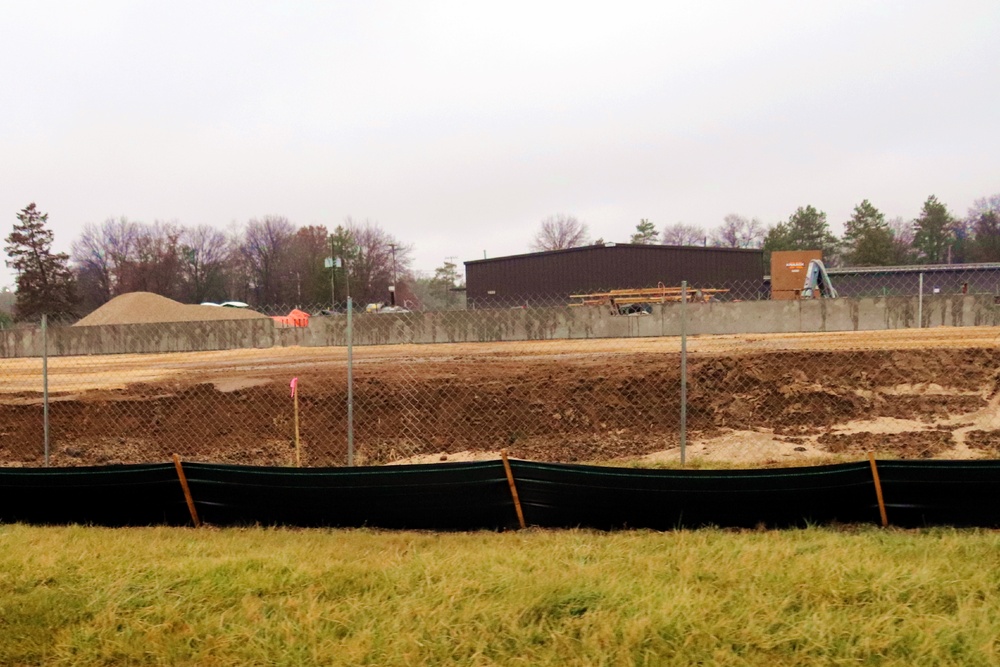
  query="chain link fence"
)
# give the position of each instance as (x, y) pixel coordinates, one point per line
(585, 378)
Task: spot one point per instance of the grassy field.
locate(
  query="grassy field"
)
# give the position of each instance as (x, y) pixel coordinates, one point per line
(79, 595)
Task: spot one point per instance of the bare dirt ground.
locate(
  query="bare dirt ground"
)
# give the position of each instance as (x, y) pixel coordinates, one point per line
(752, 399)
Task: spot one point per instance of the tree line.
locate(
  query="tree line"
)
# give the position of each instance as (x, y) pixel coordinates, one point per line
(268, 262)
(936, 236)
(271, 262)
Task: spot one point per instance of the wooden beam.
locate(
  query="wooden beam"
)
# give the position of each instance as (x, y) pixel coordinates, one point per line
(878, 490)
(513, 488)
(187, 491)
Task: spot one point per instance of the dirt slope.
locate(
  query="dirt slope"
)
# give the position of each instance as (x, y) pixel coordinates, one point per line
(558, 401)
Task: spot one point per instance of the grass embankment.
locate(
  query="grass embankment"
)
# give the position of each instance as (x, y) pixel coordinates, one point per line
(80, 595)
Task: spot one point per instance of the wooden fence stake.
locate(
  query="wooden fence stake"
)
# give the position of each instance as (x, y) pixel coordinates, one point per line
(298, 444)
(513, 488)
(187, 491)
(878, 490)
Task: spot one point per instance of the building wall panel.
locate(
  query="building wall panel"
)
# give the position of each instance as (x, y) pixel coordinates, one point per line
(553, 276)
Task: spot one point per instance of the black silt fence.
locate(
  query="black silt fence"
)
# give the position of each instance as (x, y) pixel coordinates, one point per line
(955, 493)
(476, 496)
(460, 496)
(133, 495)
(611, 498)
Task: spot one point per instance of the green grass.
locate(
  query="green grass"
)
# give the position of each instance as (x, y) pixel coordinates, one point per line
(94, 596)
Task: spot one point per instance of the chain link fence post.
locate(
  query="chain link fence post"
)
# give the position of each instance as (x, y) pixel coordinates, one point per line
(684, 386)
(920, 303)
(350, 381)
(45, 385)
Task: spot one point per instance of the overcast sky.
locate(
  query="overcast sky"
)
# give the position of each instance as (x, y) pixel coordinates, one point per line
(458, 126)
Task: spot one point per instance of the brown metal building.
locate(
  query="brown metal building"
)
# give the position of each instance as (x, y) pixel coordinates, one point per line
(553, 276)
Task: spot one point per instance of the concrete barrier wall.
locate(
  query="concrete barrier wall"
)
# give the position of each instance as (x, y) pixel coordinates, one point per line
(870, 314)
(517, 324)
(141, 338)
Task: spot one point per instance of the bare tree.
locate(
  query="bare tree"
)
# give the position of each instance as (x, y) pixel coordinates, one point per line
(902, 241)
(983, 222)
(681, 234)
(120, 238)
(376, 261)
(310, 246)
(156, 263)
(204, 251)
(95, 275)
(237, 282)
(267, 262)
(265, 249)
(739, 232)
(103, 257)
(121, 256)
(559, 232)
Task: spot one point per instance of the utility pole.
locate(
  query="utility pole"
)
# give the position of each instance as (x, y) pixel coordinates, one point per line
(450, 295)
(345, 254)
(392, 290)
(333, 273)
(347, 281)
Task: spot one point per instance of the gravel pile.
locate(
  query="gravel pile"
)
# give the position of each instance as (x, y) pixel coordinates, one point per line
(149, 308)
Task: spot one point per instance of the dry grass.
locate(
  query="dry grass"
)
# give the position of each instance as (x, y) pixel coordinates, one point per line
(77, 595)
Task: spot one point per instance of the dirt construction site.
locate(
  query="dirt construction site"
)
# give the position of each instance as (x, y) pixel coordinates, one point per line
(755, 400)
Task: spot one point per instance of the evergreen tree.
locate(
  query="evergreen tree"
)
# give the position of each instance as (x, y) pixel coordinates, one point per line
(809, 230)
(645, 233)
(806, 229)
(963, 241)
(868, 241)
(776, 238)
(446, 275)
(933, 233)
(44, 281)
(442, 285)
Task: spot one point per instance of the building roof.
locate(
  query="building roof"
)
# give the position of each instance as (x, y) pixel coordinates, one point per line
(649, 246)
(915, 268)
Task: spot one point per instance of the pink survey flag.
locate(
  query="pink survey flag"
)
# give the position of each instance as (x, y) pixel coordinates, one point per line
(294, 385)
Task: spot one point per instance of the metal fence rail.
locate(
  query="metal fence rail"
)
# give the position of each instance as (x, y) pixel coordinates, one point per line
(560, 383)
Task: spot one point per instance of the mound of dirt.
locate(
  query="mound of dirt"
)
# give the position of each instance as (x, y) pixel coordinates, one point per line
(149, 308)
